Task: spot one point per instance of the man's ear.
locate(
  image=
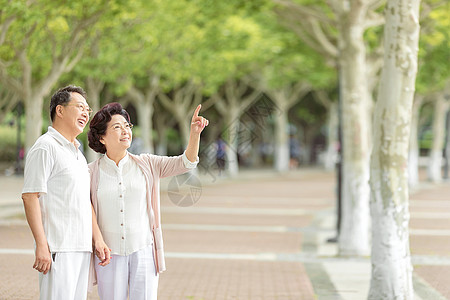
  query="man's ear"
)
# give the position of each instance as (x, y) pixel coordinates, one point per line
(59, 111)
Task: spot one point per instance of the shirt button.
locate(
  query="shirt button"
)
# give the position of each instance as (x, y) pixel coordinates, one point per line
(123, 238)
(121, 210)
(121, 224)
(120, 183)
(120, 196)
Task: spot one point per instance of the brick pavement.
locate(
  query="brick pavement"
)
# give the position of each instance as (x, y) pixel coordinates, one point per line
(250, 239)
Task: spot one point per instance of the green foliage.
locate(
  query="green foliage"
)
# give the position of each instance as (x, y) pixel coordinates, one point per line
(309, 112)
(373, 37)
(124, 43)
(46, 31)
(434, 52)
(291, 59)
(8, 138)
(296, 62)
(201, 41)
(177, 41)
(8, 146)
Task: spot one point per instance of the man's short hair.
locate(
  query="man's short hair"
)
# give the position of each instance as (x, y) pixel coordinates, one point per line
(62, 96)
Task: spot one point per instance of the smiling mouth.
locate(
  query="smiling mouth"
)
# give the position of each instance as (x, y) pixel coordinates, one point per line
(82, 122)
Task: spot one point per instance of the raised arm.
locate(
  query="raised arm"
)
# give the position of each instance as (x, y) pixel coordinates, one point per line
(198, 123)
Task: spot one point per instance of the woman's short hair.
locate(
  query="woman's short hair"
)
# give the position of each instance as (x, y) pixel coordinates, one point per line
(98, 125)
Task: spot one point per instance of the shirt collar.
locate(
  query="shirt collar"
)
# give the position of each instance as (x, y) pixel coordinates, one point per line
(60, 138)
(122, 162)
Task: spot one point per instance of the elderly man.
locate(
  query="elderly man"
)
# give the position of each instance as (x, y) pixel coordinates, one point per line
(56, 198)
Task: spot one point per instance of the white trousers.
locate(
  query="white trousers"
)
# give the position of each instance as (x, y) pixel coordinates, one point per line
(134, 273)
(67, 278)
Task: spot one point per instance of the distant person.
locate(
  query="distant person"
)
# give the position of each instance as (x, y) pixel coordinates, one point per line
(294, 152)
(125, 197)
(220, 155)
(21, 153)
(56, 200)
(265, 151)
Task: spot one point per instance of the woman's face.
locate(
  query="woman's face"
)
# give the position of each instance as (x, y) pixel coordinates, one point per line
(118, 134)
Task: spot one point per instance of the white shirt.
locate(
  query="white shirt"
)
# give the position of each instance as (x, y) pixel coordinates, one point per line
(122, 212)
(122, 207)
(58, 171)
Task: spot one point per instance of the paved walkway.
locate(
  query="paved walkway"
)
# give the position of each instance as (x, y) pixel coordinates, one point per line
(260, 237)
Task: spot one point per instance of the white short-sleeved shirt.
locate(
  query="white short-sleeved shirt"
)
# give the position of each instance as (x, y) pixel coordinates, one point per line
(58, 171)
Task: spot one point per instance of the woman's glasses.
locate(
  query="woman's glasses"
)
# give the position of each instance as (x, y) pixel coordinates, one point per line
(119, 127)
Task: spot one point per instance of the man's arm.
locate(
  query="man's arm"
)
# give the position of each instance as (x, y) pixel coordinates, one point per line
(43, 260)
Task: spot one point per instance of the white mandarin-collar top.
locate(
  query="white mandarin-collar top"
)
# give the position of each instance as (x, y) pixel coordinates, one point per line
(122, 206)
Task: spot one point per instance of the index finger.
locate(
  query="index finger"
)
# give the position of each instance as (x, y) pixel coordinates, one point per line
(197, 110)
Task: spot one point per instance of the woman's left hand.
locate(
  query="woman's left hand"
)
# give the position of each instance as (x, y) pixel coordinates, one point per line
(103, 253)
(198, 123)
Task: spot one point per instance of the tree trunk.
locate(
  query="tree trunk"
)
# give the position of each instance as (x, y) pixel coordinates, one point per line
(308, 142)
(185, 129)
(94, 88)
(235, 98)
(332, 108)
(281, 141)
(145, 114)
(181, 105)
(281, 154)
(435, 164)
(285, 98)
(33, 116)
(34, 95)
(313, 26)
(232, 141)
(332, 137)
(354, 235)
(391, 261)
(161, 147)
(413, 159)
(145, 101)
(8, 101)
(182, 115)
(162, 121)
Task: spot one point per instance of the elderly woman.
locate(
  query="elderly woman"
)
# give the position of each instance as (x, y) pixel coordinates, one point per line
(125, 198)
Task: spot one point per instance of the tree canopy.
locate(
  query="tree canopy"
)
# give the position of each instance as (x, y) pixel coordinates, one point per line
(123, 44)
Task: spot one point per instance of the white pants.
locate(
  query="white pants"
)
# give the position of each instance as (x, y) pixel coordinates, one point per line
(134, 272)
(67, 278)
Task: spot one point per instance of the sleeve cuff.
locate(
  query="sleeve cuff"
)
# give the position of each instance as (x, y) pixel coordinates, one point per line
(188, 164)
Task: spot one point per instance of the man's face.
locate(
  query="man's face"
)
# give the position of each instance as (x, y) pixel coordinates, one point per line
(76, 113)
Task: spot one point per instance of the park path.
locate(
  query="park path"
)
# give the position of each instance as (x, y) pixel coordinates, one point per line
(261, 236)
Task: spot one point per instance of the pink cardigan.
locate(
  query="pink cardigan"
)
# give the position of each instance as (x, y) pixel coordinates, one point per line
(153, 167)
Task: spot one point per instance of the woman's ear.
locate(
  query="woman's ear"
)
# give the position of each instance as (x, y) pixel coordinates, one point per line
(102, 141)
